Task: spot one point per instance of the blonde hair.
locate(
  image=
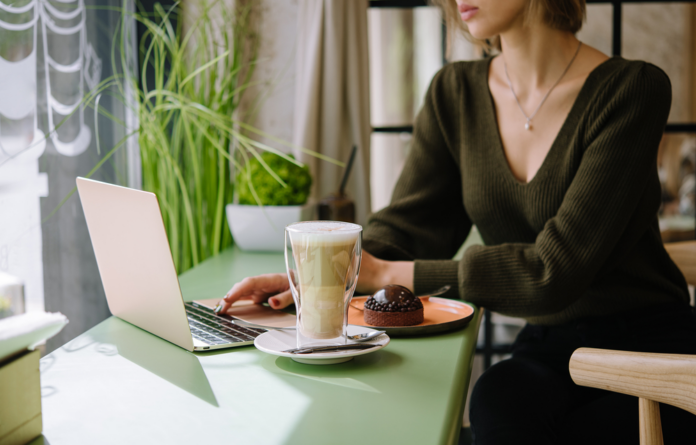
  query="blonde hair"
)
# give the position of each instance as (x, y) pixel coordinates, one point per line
(564, 15)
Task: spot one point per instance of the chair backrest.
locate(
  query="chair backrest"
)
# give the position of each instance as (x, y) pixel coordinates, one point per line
(663, 378)
(653, 378)
(684, 255)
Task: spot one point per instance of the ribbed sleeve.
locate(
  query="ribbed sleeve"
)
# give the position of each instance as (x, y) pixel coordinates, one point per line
(430, 275)
(580, 239)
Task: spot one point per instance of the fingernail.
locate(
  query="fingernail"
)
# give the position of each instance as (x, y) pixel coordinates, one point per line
(217, 309)
(273, 301)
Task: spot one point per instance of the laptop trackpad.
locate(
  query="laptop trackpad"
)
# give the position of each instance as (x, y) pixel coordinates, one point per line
(251, 312)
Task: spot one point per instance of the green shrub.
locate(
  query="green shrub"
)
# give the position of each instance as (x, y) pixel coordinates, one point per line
(269, 190)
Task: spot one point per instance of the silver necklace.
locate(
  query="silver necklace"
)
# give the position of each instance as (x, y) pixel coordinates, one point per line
(528, 125)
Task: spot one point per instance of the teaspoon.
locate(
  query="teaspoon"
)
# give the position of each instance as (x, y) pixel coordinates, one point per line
(365, 336)
(358, 338)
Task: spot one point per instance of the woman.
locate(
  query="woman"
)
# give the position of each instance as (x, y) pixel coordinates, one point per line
(550, 149)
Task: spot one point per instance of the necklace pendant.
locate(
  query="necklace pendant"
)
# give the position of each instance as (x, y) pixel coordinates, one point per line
(527, 126)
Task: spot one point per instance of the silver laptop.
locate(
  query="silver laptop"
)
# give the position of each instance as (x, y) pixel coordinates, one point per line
(138, 273)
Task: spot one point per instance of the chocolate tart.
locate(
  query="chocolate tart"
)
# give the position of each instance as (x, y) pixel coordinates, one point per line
(393, 305)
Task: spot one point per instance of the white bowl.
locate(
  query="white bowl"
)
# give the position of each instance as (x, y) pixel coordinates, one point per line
(263, 228)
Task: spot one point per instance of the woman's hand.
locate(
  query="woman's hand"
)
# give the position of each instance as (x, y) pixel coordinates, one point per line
(376, 273)
(273, 287)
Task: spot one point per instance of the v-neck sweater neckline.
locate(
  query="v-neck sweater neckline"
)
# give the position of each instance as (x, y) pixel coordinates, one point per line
(566, 130)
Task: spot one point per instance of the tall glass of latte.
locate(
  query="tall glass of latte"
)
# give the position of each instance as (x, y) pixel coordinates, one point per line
(323, 262)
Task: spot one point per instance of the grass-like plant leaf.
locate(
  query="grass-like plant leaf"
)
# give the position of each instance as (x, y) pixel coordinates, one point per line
(190, 135)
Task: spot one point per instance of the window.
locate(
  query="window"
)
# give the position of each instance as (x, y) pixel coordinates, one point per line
(406, 50)
(51, 54)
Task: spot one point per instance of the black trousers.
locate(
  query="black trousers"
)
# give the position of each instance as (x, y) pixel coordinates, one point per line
(531, 399)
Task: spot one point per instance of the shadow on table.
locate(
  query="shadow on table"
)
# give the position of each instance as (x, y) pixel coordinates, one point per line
(165, 360)
(382, 359)
(366, 381)
(346, 375)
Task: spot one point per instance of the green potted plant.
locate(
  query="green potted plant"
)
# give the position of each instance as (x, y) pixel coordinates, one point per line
(191, 132)
(271, 192)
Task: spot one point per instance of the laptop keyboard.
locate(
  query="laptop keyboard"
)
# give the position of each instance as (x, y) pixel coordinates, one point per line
(217, 330)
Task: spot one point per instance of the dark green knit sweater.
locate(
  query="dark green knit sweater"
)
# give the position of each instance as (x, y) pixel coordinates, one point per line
(580, 239)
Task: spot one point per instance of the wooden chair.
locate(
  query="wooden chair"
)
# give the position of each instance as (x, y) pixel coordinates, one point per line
(653, 378)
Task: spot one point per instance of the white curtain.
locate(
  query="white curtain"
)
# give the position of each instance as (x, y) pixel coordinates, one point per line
(332, 111)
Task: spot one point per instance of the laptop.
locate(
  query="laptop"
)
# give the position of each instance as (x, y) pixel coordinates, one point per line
(138, 274)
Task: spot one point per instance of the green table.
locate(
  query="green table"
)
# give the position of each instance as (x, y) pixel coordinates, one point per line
(117, 384)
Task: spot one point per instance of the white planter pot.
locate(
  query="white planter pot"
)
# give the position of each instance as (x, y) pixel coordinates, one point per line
(263, 229)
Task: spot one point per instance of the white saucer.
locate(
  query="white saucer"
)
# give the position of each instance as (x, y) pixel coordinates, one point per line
(275, 342)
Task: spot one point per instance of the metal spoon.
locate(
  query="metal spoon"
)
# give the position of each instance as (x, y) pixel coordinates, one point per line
(357, 338)
(434, 293)
(328, 348)
(437, 292)
(365, 336)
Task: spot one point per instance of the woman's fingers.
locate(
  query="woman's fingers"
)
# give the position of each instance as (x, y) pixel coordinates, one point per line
(257, 288)
(282, 300)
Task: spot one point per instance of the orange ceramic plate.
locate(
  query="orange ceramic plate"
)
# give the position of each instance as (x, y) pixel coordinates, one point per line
(440, 315)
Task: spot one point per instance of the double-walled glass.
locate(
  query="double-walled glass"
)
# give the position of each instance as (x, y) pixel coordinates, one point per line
(323, 262)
